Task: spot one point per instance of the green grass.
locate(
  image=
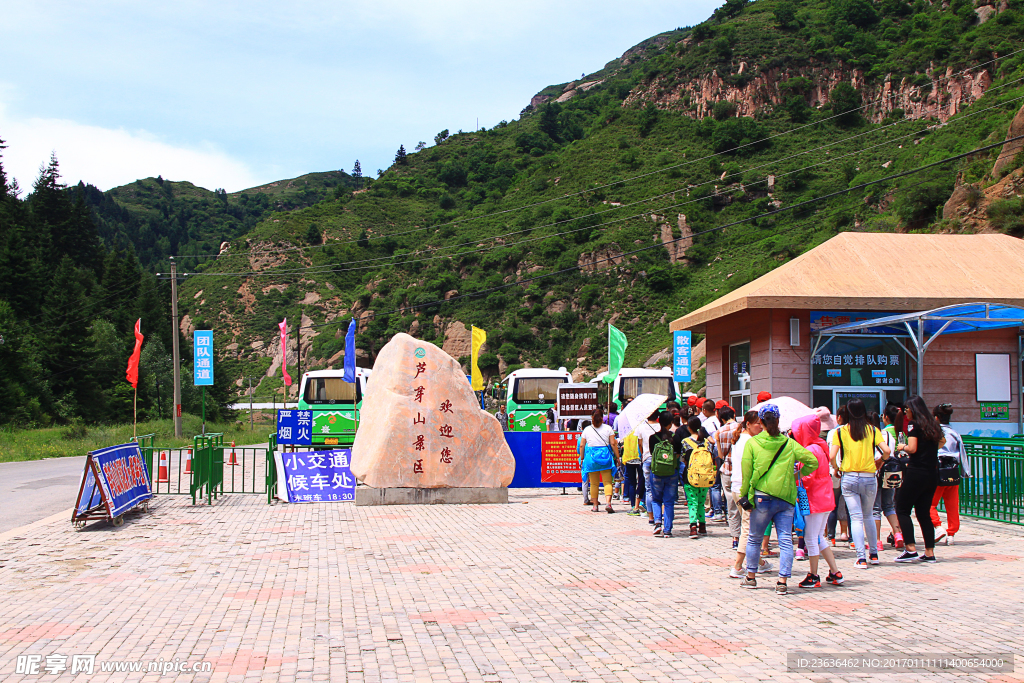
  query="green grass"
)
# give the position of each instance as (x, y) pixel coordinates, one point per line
(59, 442)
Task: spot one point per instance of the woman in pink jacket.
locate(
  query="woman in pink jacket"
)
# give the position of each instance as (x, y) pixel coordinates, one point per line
(807, 433)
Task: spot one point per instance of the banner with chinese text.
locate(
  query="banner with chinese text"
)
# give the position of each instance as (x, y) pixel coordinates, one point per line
(559, 462)
(317, 476)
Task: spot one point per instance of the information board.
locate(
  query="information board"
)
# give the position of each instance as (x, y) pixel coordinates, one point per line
(995, 412)
(116, 475)
(202, 358)
(295, 427)
(576, 400)
(559, 462)
(681, 356)
(317, 476)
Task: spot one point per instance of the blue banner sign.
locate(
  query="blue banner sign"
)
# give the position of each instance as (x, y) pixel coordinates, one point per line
(316, 476)
(295, 427)
(202, 358)
(681, 356)
(119, 476)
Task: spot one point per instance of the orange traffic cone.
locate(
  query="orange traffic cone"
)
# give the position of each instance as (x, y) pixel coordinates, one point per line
(232, 460)
(188, 462)
(162, 475)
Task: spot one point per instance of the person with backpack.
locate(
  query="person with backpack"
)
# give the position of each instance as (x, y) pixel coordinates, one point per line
(885, 493)
(600, 457)
(952, 457)
(643, 435)
(664, 476)
(635, 488)
(769, 492)
(839, 515)
(854, 454)
(920, 479)
(698, 474)
(820, 500)
(890, 476)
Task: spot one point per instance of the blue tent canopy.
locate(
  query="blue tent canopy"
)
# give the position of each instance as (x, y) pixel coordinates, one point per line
(924, 327)
(946, 320)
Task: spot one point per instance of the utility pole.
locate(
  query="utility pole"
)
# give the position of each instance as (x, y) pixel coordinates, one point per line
(176, 409)
(298, 355)
(250, 403)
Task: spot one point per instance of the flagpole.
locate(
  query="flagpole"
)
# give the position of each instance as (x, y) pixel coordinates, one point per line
(135, 415)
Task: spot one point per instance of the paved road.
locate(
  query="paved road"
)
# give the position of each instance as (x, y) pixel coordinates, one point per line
(37, 489)
(537, 591)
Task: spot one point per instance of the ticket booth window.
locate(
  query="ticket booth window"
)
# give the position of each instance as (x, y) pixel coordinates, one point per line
(871, 368)
(739, 377)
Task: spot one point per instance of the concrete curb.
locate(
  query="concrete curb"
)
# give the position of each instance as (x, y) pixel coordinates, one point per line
(23, 530)
(366, 495)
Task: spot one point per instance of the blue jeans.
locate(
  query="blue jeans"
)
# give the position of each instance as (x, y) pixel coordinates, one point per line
(859, 493)
(885, 502)
(647, 485)
(717, 500)
(768, 509)
(664, 491)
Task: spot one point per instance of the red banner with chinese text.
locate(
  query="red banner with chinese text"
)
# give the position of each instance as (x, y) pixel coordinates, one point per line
(559, 463)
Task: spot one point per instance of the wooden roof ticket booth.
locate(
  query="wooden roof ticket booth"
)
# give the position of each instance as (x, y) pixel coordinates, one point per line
(879, 317)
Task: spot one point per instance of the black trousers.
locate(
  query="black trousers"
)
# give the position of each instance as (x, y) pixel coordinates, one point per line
(916, 493)
(636, 484)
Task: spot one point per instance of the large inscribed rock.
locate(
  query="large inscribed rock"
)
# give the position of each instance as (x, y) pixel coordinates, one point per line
(421, 426)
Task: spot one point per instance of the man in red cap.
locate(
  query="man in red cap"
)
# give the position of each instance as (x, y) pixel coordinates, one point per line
(764, 396)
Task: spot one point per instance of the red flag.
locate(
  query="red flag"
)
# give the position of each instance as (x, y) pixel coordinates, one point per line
(283, 326)
(133, 363)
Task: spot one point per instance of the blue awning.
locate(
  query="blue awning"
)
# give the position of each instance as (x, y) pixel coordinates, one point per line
(953, 319)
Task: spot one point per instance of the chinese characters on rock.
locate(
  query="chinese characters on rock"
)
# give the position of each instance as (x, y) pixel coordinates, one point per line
(445, 430)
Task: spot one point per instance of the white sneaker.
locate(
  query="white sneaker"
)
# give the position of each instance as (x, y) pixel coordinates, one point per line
(765, 566)
(940, 534)
(733, 574)
(949, 539)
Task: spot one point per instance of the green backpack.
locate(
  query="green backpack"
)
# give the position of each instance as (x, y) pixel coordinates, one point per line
(663, 463)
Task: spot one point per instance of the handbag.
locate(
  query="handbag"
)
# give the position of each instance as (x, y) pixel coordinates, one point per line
(949, 470)
(802, 501)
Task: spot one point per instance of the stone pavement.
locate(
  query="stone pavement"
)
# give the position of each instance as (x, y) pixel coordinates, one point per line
(537, 590)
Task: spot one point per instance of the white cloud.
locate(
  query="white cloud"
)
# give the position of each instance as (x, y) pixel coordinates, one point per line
(108, 157)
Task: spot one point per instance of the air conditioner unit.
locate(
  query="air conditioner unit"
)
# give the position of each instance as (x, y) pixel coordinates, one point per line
(794, 331)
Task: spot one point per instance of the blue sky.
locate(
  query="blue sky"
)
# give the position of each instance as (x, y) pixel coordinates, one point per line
(235, 94)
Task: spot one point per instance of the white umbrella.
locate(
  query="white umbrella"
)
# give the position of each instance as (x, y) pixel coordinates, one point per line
(640, 408)
(791, 410)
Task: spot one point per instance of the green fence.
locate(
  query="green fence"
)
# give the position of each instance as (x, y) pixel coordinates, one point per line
(996, 488)
(207, 467)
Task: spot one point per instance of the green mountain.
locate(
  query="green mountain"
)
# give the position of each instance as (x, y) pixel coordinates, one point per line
(158, 218)
(692, 164)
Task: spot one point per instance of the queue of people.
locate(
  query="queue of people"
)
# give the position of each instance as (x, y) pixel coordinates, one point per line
(757, 478)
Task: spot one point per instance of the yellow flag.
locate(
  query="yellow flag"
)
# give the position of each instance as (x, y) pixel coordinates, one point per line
(479, 337)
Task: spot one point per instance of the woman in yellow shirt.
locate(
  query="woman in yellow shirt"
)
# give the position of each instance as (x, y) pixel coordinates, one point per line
(854, 453)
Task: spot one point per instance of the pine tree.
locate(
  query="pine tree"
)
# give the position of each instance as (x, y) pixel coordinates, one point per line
(69, 351)
(400, 156)
(357, 170)
(3, 175)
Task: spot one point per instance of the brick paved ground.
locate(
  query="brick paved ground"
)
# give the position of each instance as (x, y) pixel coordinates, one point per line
(536, 590)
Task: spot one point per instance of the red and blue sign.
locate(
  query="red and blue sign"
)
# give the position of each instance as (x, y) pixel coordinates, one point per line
(316, 476)
(115, 477)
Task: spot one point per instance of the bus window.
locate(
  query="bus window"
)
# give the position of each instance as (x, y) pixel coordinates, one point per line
(330, 390)
(529, 389)
(631, 387)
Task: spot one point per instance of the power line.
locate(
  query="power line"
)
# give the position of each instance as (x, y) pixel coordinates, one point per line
(637, 177)
(702, 232)
(390, 260)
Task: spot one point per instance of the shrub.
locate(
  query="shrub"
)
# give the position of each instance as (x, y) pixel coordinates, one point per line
(724, 109)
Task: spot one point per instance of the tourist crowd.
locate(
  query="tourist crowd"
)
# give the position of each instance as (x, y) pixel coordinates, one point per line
(798, 479)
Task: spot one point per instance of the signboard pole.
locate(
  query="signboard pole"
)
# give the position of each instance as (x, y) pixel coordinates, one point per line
(204, 410)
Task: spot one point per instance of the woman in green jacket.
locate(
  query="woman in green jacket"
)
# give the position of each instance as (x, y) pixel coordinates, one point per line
(769, 486)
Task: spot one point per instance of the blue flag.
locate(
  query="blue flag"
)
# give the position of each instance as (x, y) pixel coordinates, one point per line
(350, 353)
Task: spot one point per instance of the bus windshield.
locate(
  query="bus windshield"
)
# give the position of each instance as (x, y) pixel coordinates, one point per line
(631, 387)
(331, 390)
(529, 389)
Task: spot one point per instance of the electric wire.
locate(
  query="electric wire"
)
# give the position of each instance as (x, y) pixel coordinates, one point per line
(632, 178)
